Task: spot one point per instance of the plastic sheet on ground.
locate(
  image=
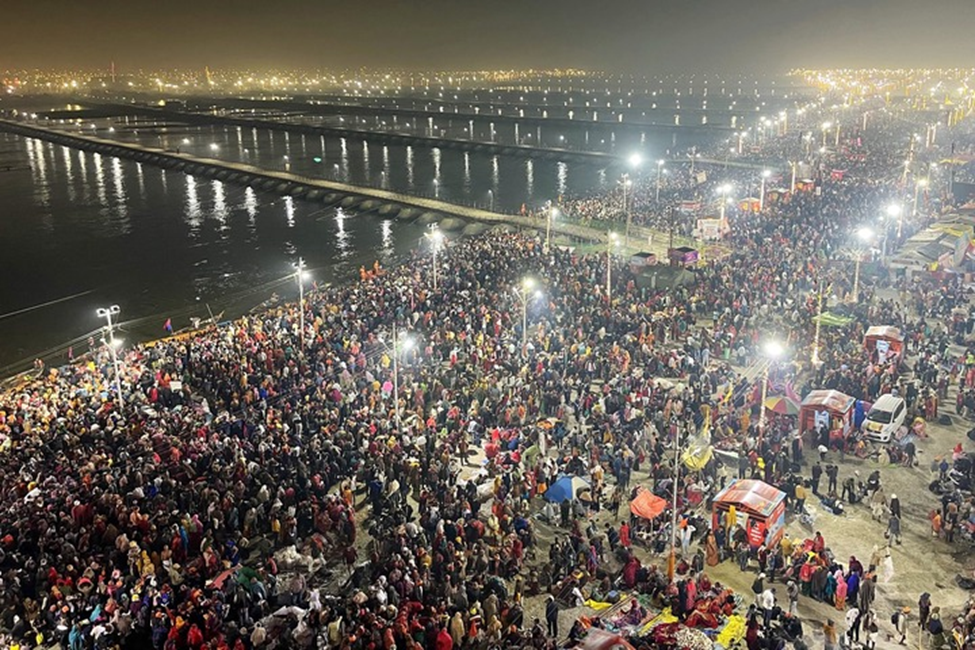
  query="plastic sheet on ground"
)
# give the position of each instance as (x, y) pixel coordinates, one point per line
(732, 632)
(663, 618)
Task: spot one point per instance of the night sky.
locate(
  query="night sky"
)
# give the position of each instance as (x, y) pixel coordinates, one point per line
(643, 36)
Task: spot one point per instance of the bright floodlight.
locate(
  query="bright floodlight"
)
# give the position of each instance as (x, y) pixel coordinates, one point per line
(635, 160)
(766, 173)
(660, 163)
(894, 210)
(436, 236)
(774, 349)
(865, 234)
(214, 146)
(405, 343)
(724, 189)
(528, 283)
(827, 125)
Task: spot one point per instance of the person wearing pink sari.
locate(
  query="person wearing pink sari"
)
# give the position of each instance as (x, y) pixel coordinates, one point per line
(841, 588)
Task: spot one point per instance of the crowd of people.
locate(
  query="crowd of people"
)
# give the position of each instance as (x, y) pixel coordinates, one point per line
(266, 487)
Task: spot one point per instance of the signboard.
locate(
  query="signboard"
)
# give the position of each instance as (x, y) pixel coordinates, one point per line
(709, 228)
(883, 348)
(684, 256)
(821, 419)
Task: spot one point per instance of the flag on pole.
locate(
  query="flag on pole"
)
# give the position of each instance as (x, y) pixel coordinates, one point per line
(168, 325)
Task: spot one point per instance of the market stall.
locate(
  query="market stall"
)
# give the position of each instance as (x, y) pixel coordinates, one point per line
(682, 256)
(749, 204)
(777, 195)
(647, 505)
(829, 408)
(757, 506)
(884, 342)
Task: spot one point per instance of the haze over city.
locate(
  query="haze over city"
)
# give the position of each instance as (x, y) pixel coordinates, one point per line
(624, 35)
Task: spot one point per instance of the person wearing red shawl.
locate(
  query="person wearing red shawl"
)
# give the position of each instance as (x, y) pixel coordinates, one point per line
(629, 571)
(625, 535)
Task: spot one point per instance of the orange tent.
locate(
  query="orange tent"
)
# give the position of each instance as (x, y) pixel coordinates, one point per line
(647, 505)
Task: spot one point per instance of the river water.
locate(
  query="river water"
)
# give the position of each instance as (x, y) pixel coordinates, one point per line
(87, 230)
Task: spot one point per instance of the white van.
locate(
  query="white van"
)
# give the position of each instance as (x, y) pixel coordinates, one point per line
(885, 418)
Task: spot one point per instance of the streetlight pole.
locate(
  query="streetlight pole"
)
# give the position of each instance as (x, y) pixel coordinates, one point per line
(761, 197)
(856, 277)
(635, 160)
(672, 560)
(773, 350)
(918, 184)
(611, 240)
(723, 191)
(660, 167)
(396, 351)
(299, 276)
(819, 322)
(527, 285)
(436, 238)
(491, 199)
(625, 182)
(552, 213)
(865, 234)
(107, 314)
(396, 382)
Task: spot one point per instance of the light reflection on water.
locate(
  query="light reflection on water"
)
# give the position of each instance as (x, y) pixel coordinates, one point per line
(219, 203)
(133, 242)
(250, 203)
(289, 210)
(142, 180)
(100, 179)
(342, 239)
(386, 230)
(193, 214)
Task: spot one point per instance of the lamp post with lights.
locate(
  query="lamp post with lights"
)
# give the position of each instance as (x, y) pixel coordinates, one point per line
(107, 313)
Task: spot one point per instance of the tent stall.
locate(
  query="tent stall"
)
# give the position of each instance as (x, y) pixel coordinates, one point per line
(886, 341)
(647, 505)
(757, 506)
(566, 487)
(777, 195)
(750, 204)
(830, 408)
(682, 256)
